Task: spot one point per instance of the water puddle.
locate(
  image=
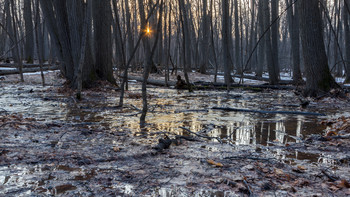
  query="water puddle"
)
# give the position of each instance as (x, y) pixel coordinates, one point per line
(170, 110)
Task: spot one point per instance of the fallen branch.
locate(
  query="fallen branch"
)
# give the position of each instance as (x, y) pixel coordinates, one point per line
(250, 158)
(273, 87)
(27, 70)
(9, 65)
(257, 78)
(201, 85)
(152, 82)
(270, 112)
(191, 110)
(263, 79)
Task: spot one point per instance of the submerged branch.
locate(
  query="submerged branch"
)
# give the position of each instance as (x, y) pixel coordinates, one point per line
(270, 112)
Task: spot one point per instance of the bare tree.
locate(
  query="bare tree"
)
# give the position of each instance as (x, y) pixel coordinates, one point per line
(29, 36)
(346, 15)
(318, 77)
(261, 28)
(293, 22)
(205, 38)
(102, 15)
(65, 23)
(129, 32)
(237, 40)
(275, 36)
(148, 61)
(273, 76)
(13, 32)
(38, 41)
(186, 46)
(225, 42)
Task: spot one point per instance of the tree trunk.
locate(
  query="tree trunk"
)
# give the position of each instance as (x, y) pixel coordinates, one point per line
(261, 49)
(29, 36)
(268, 52)
(64, 21)
(38, 41)
(186, 41)
(12, 29)
(148, 61)
(225, 42)
(102, 15)
(205, 38)
(253, 35)
(293, 22)
(346, 16)
(129, 32)
(275, 36)
(318, 77)
(237, 41)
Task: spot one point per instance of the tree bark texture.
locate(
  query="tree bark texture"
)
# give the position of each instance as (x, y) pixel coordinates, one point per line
(293, 24)
(318, 77)
(29, 31)
(346, 16)
(102, 15)
(269, 52)
(225, 42)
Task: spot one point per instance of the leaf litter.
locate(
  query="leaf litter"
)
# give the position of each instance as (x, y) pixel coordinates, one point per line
(52, 144)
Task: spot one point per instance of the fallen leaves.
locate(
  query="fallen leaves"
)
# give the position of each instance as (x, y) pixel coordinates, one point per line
(338, 185)
(299, 169)
(116, 149)
(216, 164)
(344, 184)
(17, 121)
(340, 125)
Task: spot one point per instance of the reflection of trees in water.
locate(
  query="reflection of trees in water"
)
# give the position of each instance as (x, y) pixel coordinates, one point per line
(280, 132)
(298, 130)
(245, 132)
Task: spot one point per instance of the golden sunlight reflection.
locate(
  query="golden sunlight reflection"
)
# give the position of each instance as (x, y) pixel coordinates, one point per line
(167, 115)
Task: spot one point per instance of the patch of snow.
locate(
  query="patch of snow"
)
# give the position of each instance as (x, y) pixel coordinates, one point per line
(3, 68)
(340, 79)
(38, 73)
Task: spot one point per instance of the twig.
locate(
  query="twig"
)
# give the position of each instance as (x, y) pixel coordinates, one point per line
(251, 158)
(59, 139)
(133, 114)
(250, 191)
(329, 176)
(192, 110)
(135, 107)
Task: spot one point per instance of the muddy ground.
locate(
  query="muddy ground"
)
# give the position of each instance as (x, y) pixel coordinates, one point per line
(52, 144)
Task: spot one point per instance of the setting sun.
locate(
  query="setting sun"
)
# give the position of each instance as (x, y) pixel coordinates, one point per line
(148, 30)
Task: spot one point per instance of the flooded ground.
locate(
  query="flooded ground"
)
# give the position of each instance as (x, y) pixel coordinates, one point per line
(53, 144)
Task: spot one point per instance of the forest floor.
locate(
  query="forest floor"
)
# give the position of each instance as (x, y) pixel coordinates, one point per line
(53, 144)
